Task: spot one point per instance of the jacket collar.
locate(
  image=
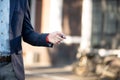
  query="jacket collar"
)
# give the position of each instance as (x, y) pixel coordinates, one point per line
(12, 6)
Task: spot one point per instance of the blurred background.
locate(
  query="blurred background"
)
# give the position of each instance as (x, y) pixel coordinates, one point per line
(92, 48)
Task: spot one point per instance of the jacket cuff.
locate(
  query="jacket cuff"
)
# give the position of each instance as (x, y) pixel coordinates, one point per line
(45, 40)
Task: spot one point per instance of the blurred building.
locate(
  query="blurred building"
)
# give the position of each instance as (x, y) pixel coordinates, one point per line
(101, 26)
(87, 24)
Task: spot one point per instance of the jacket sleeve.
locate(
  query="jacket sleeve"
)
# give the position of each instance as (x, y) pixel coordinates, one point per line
(29, 35)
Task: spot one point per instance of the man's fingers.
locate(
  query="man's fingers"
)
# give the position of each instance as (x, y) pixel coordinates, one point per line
(56, 37)
(61, 35)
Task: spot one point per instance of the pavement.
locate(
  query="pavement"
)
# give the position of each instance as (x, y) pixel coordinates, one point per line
(53, 73)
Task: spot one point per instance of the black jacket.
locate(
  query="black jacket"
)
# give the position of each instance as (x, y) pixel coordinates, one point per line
(20, 28)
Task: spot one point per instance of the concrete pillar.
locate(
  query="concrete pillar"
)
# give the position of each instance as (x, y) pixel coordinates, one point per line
(52, 15)
(86, 25)
(33, 12)
(51, 21)
(55, 15)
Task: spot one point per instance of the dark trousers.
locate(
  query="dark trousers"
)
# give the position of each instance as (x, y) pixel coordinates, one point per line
(7, 71)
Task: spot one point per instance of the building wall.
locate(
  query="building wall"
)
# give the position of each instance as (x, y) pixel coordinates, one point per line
(105, 24)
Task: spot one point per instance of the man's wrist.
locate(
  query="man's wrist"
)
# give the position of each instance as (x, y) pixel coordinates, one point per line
(47, 40)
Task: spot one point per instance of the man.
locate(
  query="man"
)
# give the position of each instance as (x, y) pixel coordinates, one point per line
(14, 25)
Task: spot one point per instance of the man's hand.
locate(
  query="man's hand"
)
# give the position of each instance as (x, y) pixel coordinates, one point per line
(56, 37)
